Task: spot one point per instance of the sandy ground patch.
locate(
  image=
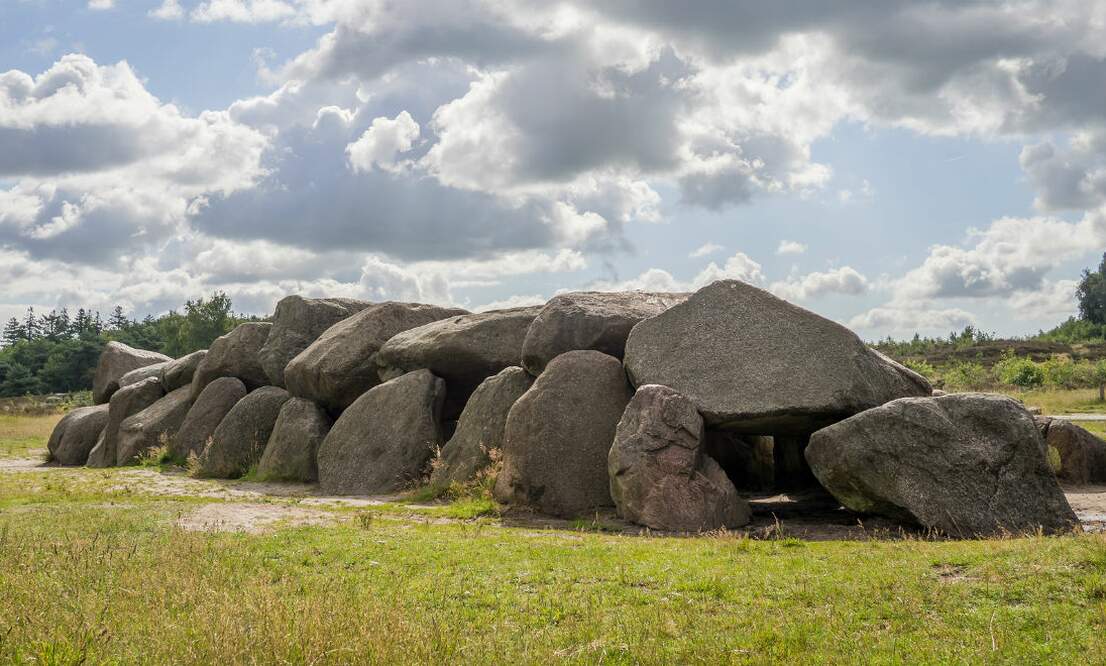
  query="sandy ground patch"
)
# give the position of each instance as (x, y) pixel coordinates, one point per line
(250, 518)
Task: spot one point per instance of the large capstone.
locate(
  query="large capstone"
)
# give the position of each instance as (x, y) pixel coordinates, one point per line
(153, 427)
(241, 437)
(298, 322)
(124, 403)
(385, 440)
(178, 373)
(589, 320)
(299, 432)
(559, 434)
(752, 362)
(340, 365)
(1080, 456)
(116, 360)
(76, 434)
(660, 476)
(480, 430)
(968, 465)
(463, 350)
(205, 415)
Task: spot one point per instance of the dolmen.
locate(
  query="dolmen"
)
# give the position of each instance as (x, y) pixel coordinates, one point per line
(671, 409)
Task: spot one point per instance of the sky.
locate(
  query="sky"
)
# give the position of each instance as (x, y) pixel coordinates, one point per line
(897, 166)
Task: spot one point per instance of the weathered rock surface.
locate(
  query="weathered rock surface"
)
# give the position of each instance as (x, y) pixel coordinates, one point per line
(385, 439)
(140, 374)
(559, 433)
(298, 322)
(124, 403)
(291, 453)
(966, 464)
(480, 430)
(463, 350)
(659, 475)
(234, 355)
(589, 320)
(748, 460)
(76, 434)
(179, 373)
(240, 439)
(755, 363)
(116, 360)
(340, 365)
(152, 427)
(205, 415)
(1082, 454)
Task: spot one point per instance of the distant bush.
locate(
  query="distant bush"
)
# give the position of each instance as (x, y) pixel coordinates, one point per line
(922, 368)
(1023, 373)
(967, 376)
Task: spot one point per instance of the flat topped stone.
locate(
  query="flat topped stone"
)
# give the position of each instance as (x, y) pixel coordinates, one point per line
(589, 320)
(340, 366)
(755, 363)
(463, 350)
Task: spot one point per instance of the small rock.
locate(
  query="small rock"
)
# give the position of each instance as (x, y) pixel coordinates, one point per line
(1082, 455)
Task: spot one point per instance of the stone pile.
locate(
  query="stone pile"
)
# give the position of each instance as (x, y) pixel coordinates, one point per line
(671, 408)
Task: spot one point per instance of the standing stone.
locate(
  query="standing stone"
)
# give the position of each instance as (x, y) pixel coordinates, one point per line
(234, 355)
(152, 427)
(480, 430)
(298, 322)
(559, 434)
(340, 365)
(205, 415)
(179, 373)
(589, 320)
(752, 362)
(384, 441)
(969, 465)
(660, 476)
(76, 434)
(1082, 455)
(140, 374)
(463, 350)
(240, 439)
(291, 453)
(124, 403)
(116, 360)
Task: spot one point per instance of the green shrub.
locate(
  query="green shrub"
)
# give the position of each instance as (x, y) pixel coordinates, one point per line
(921, 367)
(1021, 372)
(967, 376)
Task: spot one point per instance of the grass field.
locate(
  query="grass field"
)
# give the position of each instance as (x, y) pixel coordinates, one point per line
(22, 435)
(95, 569)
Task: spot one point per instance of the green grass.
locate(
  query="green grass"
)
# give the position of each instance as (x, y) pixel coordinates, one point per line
(95, 571)
(24, 436)
(1074, 401)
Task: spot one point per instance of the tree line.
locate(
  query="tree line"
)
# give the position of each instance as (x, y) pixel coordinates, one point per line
(57, 352)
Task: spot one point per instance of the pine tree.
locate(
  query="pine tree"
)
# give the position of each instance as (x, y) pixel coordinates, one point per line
(13, 332)
(65, 324)
(30, 325)
(118, 320)
(97, 324)
(82, 323)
